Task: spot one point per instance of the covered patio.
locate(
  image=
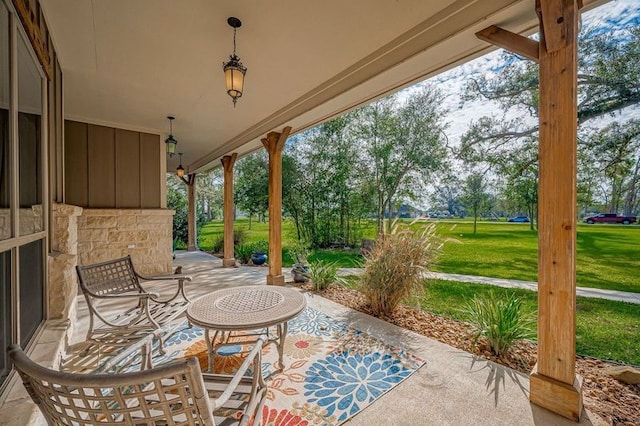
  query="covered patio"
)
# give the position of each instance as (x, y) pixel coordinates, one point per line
(109, 72)
(453, 387)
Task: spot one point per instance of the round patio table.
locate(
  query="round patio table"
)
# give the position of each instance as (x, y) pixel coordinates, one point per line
(246, 308)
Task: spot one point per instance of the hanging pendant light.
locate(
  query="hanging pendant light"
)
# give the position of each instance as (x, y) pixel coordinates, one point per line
(170, 141)
(180, 169)
(234, 71)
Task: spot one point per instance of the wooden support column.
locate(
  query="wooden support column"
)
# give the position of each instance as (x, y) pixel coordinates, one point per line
(192, 238)
(227, 163)
(554, 384)
(274, 143)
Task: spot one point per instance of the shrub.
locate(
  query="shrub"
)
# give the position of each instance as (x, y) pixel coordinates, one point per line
(323, 274)
(239, 237)
(218, 244)
(393, 269)
(243, 252)
(261, 246)
(501, 321)
(298, 253)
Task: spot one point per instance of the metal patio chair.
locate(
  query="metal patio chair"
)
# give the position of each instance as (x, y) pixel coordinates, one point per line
(116, 282)
(173, 394)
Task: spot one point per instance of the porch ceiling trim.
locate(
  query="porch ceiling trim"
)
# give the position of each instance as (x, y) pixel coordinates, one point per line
(457, 17)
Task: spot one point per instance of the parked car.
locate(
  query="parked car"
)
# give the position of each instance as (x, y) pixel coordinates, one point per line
(609, 218)
(521, 219)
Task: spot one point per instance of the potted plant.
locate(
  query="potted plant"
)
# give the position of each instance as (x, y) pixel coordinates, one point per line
(259, 255)
(258, 258)
(300, 270)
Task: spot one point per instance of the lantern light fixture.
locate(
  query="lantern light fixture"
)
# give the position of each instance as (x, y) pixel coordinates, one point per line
(180, 169)
(170, 141)
(234, 71)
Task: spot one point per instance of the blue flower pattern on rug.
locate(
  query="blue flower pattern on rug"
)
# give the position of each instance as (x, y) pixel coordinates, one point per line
(344, 381)
(185, 334)
(316, 323)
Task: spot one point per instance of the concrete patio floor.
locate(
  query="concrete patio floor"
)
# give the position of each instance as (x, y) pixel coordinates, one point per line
(453, 387)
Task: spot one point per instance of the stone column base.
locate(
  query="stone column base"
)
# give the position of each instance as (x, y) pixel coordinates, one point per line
(228, 263)
(558, 397)
(275, 279)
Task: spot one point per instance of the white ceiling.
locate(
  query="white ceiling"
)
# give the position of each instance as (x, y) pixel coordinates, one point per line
(131, 63)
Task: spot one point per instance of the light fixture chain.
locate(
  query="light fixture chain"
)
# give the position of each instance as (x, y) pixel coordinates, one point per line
(234, 41)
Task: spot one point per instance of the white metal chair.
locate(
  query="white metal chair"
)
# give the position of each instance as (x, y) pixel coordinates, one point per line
(173, 394)
(117, 281)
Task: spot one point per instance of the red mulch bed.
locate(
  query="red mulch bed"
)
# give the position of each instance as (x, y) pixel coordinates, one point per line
(615, 402)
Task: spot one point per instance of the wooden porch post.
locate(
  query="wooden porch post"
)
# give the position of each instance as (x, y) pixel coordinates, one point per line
(274, 143)
(227, 163)
(553, 382)
(192, 239)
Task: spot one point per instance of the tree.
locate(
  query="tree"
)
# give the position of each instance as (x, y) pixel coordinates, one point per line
(475, 196)
(608, 81)
(209, 199)
(321, 180)
(446, 195)
(252, 184)
(177, 200)
(615, 151)
(405, 144)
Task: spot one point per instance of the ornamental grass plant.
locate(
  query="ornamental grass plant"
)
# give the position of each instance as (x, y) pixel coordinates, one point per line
(323, 274)
(501, 321)
(394, 269)
(243, 252)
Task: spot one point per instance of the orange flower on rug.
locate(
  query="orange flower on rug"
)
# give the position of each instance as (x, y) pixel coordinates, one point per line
(226, 361)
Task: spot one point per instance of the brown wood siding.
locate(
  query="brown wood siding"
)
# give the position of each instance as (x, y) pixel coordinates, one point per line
(150, 185)
(75, 161)
(127, 161)
(56, 184)
(102, 176)
(111, 168)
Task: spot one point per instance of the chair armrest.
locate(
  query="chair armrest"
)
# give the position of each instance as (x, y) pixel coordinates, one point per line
(256, 352)
(129, 295)
(182, 277)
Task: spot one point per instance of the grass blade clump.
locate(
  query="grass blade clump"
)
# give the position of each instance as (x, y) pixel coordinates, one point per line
(244, 252)
(323, 274)
(393, 270)
(502, 322)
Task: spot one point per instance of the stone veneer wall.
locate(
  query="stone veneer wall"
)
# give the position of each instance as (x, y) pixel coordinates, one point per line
(84, 236)
(147, 235)
(63, 259)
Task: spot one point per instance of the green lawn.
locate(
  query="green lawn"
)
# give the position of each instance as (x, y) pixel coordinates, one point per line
(607, 255)
(604, 329)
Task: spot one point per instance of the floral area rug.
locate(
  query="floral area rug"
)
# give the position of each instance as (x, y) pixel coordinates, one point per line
(331, 370)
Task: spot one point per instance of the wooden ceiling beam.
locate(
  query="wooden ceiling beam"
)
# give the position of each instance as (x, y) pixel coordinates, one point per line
(512, 42)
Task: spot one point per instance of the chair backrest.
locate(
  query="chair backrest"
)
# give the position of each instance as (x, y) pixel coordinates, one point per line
(111, 277)
(173, 394)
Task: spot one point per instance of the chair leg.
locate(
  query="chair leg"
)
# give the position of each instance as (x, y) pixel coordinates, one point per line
(161, 350)
(146, 363)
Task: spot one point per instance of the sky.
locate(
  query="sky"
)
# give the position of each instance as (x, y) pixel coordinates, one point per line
(616, 13)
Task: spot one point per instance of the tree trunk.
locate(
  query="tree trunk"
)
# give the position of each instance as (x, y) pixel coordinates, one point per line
(380, 220)
(475, 219)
